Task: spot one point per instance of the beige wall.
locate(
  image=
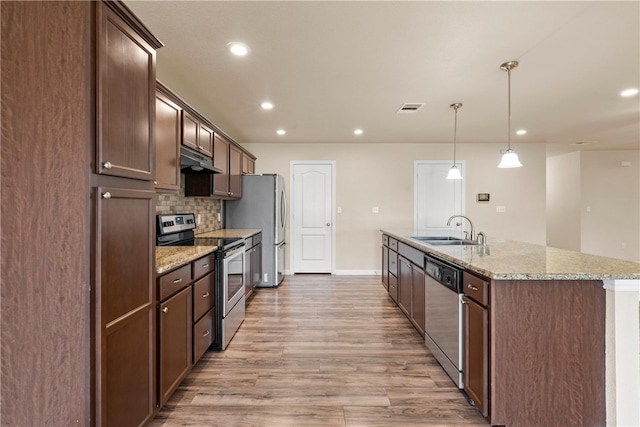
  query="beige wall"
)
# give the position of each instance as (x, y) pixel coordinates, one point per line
(593, 203)
(563, 201)
(382, 175)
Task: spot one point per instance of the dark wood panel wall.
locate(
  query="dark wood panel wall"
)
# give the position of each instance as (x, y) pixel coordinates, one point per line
(45, 204)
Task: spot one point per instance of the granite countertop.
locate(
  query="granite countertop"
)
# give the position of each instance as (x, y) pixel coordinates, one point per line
(171, 257)
(510, 260)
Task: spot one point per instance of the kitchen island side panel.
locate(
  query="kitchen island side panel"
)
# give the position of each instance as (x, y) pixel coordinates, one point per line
(547, 353)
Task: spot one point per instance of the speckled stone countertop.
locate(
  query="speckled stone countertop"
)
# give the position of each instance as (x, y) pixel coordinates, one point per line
(171, 257)
(509, 260)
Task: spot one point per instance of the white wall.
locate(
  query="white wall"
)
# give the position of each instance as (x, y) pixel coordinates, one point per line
(382, 175)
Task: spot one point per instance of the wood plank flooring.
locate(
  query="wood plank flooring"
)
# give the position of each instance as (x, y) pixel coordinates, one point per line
(320, 350)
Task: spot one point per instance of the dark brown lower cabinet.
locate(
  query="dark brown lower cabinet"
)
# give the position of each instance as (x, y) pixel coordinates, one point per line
(385, 267)
(175, 346)
(404, 286)
(476, 354)
(418, 302)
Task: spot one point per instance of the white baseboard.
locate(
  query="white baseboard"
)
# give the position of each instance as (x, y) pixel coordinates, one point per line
(347, 273)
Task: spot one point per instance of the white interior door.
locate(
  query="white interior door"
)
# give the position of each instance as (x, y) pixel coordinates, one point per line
(437, 198)
(312, 219)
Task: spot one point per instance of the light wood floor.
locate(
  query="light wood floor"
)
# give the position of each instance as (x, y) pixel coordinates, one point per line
(320, 350)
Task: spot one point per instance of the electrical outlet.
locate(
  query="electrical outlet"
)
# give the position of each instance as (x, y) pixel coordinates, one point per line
(339, 209)
(219, 217)
(266, 277)
(501, 209)
(375, 209)
(198, 221)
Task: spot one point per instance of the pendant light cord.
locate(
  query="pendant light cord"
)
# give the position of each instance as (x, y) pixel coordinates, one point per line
(455, 132)
(509, 107)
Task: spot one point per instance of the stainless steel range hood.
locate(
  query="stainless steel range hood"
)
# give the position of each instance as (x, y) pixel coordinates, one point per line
(193, 162)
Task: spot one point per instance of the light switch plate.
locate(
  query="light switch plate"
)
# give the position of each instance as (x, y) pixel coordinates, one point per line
(501, 209)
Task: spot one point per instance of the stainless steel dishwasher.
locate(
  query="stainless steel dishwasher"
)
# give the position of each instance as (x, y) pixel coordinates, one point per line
(443, 315)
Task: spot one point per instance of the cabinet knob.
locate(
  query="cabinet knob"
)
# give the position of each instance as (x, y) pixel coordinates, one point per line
(200, 147)
(205, 295)
(107, 165)
(106, 195)
(205, 333)
(165, 309)
(328, 224)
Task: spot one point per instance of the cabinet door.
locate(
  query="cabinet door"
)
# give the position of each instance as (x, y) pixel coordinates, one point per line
(405, 282)
(235, 172)
(190, 130)
(175, 341)
(168, 136)
(248, 282)
(385, 267)
(476, 354)
(125, 325)
(221, 161)
(248, 165)
(126, 78)
(256, 265)
(418, 308)
(205, 140)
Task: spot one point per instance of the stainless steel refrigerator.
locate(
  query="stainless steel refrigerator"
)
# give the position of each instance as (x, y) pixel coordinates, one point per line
(263, 205)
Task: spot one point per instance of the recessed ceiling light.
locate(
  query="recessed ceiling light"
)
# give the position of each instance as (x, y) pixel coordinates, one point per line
(281, 131)
(521, 132)
(358, 132)
(238, 49)
(629, 92)
(266, 106)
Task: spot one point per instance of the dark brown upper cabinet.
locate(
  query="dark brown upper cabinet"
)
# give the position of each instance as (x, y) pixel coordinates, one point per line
(125, 98)
(168, 135)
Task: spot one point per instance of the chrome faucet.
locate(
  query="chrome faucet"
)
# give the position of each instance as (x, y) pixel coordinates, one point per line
(484, 238)
(467, 218)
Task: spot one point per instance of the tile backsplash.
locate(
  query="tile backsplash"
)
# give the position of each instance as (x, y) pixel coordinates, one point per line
(206, 207)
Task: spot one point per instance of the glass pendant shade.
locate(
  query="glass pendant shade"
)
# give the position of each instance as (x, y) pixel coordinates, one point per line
(454, 173)
(509, 160)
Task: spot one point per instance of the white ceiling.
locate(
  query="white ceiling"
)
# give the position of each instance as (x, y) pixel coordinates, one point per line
(332, 66)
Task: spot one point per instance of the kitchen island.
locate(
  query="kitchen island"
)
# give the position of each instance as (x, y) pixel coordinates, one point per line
(560, 328)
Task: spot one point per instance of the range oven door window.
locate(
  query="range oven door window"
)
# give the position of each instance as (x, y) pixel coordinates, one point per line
(233, 278)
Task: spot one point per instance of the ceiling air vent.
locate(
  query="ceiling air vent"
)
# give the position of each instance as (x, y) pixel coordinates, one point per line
(410, 107)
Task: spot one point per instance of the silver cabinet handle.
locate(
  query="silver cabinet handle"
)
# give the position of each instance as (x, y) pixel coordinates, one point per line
(106, 195)
(107, 165)
(206, 294)
(205, 333)
(178, 280)
(205, 265)
(473, 288)
(200, 147)
(165, 309)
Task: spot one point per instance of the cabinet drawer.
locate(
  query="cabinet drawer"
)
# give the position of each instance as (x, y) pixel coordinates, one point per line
(476, 288)
(172, 282)
(393, 288)
(412, 254)
(393, 244)
(385, 240)
(393, 263)
(203, 295)
(204, 333)
(257, 238)
(203, 266)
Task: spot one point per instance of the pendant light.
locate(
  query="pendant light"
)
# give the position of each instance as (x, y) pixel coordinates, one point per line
(509, 158)
(454, 172)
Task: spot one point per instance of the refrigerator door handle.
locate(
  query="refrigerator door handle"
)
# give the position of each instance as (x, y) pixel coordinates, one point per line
(284, 214)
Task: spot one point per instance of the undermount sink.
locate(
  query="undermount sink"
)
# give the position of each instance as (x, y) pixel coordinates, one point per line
(445, 240)
(431, 238)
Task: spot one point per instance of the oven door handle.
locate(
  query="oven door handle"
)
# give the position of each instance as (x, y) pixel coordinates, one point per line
(233, 252)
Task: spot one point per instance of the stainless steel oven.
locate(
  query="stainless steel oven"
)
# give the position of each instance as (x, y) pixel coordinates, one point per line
(230, 266)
